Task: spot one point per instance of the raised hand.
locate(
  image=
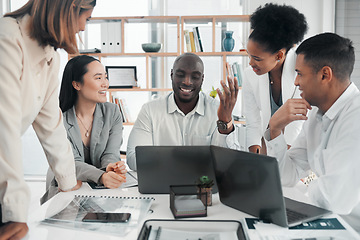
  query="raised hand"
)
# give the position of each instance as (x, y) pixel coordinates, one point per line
(228, 97)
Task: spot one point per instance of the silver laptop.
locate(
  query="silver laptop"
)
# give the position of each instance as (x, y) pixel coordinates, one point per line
(158, 167)
(251, 183)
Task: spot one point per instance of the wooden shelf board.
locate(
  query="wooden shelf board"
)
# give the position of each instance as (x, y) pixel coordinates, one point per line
(162, 54)
(137, 19)
(242, 53)
(174, 19)
(155, 54)
(153, 19)
(144, 54)
(219, 18)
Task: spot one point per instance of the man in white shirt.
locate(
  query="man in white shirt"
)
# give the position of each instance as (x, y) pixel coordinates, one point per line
(329, 142)
(186, 116)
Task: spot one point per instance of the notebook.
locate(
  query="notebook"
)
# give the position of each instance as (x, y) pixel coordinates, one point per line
(251, 183)
(158, 167)
(71, 216)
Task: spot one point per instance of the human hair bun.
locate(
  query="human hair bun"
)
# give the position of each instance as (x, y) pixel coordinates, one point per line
(277, 26)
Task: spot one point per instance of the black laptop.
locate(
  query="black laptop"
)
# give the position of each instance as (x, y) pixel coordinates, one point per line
(251, 183)
(158, 167)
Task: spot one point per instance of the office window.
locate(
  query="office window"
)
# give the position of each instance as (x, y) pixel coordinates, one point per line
(347, 24)
(10, 5)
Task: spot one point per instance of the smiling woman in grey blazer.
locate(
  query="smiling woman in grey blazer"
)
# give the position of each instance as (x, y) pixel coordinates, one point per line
(94, 127)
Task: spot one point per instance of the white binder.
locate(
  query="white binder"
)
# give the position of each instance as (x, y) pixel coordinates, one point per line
(111, 36)
(104, 38)
(117, 37)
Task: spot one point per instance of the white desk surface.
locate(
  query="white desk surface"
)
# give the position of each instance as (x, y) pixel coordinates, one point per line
(160, 207)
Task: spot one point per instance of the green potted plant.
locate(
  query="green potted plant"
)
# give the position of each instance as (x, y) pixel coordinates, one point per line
(205, 184)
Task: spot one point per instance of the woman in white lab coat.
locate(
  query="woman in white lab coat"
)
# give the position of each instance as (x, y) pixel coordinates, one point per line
(269, 80)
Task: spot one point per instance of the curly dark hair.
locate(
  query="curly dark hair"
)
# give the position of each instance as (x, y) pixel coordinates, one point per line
(277, 26)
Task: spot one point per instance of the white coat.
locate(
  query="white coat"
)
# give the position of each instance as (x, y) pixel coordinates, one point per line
(256, 97)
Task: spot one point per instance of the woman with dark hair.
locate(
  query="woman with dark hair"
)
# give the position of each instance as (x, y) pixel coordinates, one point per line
(93, 125)
(29, 96)
(269, 80)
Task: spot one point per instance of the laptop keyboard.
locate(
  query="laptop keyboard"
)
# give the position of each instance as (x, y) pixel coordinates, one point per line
(294, 216)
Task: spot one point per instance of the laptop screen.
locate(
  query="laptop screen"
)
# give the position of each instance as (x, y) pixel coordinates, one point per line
(251, 183)
(158, 167)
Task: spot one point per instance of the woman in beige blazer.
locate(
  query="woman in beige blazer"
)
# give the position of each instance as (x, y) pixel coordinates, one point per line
(269, 80)
(29, 96)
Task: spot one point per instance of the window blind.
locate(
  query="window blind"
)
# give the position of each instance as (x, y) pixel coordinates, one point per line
(347, 24)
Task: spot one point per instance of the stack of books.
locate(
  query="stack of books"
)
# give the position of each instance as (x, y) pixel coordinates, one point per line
(193, 40)
(124, 110)
(238, 72)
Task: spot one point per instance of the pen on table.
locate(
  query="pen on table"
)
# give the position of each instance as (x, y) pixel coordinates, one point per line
(292, 96)
(157, 237)
(147, 235)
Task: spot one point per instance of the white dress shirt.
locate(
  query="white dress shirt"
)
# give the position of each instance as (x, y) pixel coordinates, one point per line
(161, 122)
(329, 145)
(28, 95)
(256, 97)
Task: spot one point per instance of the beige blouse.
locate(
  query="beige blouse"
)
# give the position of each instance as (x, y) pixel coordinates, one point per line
(28, 95)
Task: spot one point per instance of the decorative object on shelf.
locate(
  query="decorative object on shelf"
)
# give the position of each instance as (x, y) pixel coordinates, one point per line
(151, 47)
(205, 184)
(228, 41)
(213, 92)
(121, 76)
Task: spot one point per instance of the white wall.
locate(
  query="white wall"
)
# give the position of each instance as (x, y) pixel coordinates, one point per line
(320, 14)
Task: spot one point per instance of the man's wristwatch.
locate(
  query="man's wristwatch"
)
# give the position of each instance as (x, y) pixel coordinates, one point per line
(223, 125)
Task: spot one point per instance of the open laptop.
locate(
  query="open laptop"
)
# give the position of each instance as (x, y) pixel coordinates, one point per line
(251, 183)
(158, 167)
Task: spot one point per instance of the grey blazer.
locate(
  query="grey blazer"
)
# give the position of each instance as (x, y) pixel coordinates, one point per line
(105, 142)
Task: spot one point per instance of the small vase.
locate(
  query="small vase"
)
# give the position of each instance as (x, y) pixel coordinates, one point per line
(228, 41)
(207, 201)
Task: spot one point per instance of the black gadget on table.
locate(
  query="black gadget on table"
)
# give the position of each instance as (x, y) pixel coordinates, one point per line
(106, 217)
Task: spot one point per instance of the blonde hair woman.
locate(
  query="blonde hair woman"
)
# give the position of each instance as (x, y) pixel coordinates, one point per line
(29, 96)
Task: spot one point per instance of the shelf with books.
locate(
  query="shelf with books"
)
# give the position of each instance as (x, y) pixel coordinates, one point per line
(212, 30)
(212, 25)
(153, 68)
(133, 31)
